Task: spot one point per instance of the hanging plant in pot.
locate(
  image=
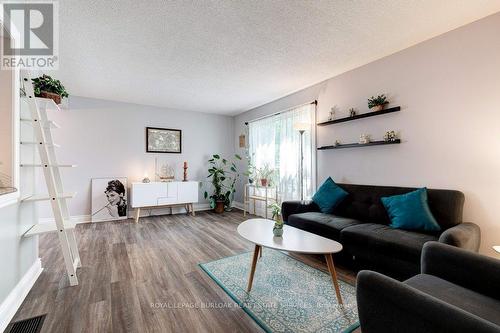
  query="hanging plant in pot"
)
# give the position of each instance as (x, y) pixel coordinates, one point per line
(278, 220)
(47, 87)
(223, 176)
(377, 103)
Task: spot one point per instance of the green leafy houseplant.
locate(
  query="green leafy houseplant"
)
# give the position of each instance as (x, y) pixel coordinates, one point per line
(48, 87)
(278, 220)
(265, 175)
(223, 175)
(377, 103)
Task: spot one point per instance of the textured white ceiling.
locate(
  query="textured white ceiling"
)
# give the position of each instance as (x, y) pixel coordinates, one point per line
(228, 56)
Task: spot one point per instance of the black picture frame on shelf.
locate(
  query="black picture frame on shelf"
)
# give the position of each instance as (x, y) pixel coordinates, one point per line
(163, 140)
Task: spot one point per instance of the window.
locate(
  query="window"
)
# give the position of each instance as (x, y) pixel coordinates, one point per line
(274, 142)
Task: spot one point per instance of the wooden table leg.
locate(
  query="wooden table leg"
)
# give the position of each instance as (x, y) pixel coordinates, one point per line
(192, 210)
(331, 269)
(137, 214)
(252, 268)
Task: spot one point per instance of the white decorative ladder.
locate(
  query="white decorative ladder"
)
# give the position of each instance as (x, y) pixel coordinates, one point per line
(48, 162)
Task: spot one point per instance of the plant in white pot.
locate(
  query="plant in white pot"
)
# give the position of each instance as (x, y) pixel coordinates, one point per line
(377, 103)
(278, 220)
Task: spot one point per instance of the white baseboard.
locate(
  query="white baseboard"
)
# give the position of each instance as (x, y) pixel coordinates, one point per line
(75, 218)
(13, 301)
(144, 213)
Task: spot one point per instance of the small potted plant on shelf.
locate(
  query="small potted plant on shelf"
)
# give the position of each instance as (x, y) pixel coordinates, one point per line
(47, 87)
(265, 175)
(377, 103)
(223, 175)
(278, 220)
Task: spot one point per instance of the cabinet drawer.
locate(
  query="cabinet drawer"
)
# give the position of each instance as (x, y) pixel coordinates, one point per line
(166, 201)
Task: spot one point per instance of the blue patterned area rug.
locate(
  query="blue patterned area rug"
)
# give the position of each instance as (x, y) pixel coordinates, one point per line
(287, 295)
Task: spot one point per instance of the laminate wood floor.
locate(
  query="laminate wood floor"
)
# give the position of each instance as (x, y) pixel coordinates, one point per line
(127, 267)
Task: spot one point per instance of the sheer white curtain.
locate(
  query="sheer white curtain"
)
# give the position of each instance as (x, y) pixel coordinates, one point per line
(274, 141)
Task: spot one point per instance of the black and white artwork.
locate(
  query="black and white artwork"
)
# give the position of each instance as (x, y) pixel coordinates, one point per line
(109, 199)
(163, 140)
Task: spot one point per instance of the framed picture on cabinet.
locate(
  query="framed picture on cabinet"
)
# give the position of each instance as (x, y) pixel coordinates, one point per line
(163, 140)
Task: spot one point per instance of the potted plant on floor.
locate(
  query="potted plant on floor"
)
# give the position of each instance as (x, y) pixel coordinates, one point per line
(278, 220)
(223, 175)
(47, 87)
(377, 103)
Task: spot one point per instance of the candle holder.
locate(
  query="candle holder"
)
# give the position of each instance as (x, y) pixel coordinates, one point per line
(185, 172)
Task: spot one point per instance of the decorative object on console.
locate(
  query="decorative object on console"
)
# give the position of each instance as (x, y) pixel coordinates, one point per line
(352, 112)
(47, 87)
(185, 167)
(364, 139)
(278, 220)
(161, 194)
(109, 199)
(164, 171)
(146, 178)
(163, 140)
(377, 103)
(223, 175)
(390, 136)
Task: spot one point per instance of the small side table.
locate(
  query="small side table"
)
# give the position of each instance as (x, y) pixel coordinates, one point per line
(267, 197)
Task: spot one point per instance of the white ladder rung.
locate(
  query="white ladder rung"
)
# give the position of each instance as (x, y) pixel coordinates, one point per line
(50, 165)
(43, 197)
(55, 145)
(48, 124)
(45, 103)
(43, 228)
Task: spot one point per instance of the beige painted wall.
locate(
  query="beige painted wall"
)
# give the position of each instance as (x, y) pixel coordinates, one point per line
(449, 91)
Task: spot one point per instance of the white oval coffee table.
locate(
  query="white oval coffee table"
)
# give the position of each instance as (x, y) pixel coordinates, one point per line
(260, 232)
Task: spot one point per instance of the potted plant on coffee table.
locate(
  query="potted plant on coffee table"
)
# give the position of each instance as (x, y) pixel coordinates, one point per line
(47, 87)
(223, 176)
(278, 220)
(377, 103)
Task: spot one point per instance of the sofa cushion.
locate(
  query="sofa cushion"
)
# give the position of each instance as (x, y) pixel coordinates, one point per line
(410, 211)
(325, 225)
(328, 196)
(371, 239)
(480, 305)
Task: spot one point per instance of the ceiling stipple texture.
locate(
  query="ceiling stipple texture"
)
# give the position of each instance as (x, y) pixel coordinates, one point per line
(227, 56)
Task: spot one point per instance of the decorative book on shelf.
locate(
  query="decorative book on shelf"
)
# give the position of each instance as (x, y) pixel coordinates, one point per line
(357, 145)
(360, 116)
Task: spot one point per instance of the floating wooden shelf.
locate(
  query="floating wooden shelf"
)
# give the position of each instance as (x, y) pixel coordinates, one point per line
(360, 116)
(357, 145)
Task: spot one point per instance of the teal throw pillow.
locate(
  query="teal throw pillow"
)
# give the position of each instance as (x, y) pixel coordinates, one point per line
(410, 211)
(328, 196)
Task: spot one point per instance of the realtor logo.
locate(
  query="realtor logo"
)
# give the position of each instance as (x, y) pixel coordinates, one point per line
(33, 27)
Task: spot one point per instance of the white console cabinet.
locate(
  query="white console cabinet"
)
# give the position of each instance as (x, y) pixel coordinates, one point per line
(163, 194)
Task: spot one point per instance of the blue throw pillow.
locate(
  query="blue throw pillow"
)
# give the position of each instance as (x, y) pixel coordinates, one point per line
(410, 211)
(328, 196)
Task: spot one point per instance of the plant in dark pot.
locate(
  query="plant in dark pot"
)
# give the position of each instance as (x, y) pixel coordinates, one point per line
(47, 87)
(223, 175)
(377, 103)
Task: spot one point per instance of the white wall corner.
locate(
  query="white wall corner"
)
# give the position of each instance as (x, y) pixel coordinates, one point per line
(13, 301)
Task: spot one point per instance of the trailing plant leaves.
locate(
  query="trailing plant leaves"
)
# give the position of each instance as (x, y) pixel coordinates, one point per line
(216, 156)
